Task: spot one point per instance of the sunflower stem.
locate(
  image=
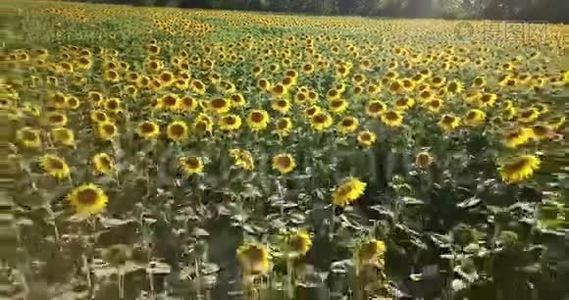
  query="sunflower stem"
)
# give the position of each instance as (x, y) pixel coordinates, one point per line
(290, 278)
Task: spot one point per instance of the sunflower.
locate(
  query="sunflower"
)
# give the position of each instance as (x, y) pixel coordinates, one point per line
(426, 96)
(263, 84)
(111, 76)
(283, 126)
(350, 190)
(198, 87)
(541, 131)
(528, 116)
(333, 94)
(320, 121)
(312, 110)
(237, 100)
(190, 165)
(474, 117)
(148, 130)
(55, 119)
(297, 243)
(284, 163)
(281, 105)
(258, 119)
(487, 99)
(479, 81)
(99, 116)
(177, 131)
(556, 122)
(517, 137)
(103, 164)
(348, 125)
(219, 105)
(107, 130)
(88, 199)
(370, 252)
(404, 103)
(423, 160)
(519, 168)
(63, 136)
(55, 166)
(230, 122)
(455, 87)
(366, 138)
(338, 106)
(375, 108)
(254, 259)
(449, 122)
(434, 105)
(392, 118)
(203, 123)
(242, 159)
(29, 137)
(112, 104)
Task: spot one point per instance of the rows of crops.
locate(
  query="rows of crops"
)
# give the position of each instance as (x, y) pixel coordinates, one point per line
(187, 154)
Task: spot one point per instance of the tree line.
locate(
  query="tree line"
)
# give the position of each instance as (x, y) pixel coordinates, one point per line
(538, 10)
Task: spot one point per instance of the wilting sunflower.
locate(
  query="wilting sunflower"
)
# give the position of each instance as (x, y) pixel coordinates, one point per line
(103, 164)
(366, 138)
(242, 159)
(283, 126)
(219, 105)
(190, 165)
(321, 121)
(348, 125)
(517, 137)
(177, 131)
(297, 243)
(107, 130)
(254, 259)
(29, 137)
(374, 108)
(55, 166)
(281, 105)
(350, 190)
(519, 168)
(258, 119)
(63, 136)
(423, 159)
(449, 122)
(370, 252)
(474, 117)
(230, 122)
(284, 163)
(88, 199)
(392, 118)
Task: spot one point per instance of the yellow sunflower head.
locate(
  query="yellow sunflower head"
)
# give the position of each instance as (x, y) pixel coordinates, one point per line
(219, 105)
(107, 130)
(474, 117)
(348, 125)
(254, 259)
(366, 138)
(282, 106)
(190, 165)
(284, 163)
(519, 168)
(350, 190)
(374, 108)
(177, 131)
(283, 126)
(29, 137)
(257, 119)
(55, 166)
(88, 199)
(297, 243)
(103, 164)
(392, 118)
(321, 121)
(423, 160)
(449, 122)
(230, 122)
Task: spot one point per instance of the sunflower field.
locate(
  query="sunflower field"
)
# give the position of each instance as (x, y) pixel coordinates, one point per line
(162, 153)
